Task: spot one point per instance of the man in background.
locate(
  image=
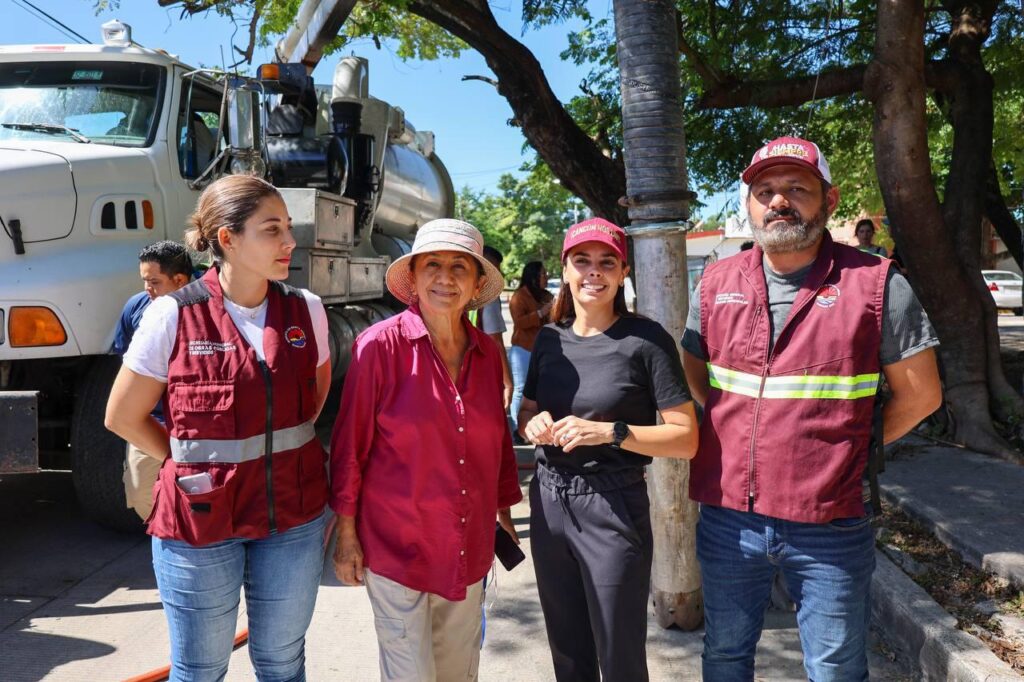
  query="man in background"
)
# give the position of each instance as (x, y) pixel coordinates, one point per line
(491, 322)
(164, 267)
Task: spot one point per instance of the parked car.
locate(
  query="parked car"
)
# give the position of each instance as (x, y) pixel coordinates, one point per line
(1006, 289)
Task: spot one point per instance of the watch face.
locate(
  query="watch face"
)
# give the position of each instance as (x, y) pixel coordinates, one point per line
(621, 430)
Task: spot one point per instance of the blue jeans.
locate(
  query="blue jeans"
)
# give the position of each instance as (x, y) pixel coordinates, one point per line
(827, 568)
(519, 362)
(199, 588)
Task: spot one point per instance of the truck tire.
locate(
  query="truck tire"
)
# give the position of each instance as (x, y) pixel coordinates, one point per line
(97, 455)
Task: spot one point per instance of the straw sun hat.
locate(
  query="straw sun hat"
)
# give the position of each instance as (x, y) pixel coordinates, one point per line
(445, 234)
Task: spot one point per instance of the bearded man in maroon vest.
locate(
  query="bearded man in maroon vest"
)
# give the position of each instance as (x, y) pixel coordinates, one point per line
(785, 347)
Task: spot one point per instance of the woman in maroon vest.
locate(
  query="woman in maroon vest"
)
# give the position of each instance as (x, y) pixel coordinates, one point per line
(242, 363)
(599, 378)
(422, 461)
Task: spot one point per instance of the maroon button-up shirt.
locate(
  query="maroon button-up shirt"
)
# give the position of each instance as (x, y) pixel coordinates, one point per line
(422, 462)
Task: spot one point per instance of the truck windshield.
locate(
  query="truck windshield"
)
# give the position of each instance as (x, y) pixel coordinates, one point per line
(102, 102)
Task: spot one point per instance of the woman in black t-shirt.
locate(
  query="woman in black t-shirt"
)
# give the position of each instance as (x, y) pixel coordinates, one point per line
(599, 377)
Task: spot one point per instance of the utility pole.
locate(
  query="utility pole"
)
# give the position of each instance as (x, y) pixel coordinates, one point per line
(658, 202)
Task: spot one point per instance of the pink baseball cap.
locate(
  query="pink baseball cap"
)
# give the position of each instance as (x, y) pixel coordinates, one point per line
(788, 151)
(595, 230)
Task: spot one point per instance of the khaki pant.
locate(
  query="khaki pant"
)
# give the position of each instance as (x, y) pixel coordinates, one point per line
(140, 473)
(423, 637)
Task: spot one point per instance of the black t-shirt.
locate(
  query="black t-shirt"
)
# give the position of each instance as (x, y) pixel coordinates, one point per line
(626, 374)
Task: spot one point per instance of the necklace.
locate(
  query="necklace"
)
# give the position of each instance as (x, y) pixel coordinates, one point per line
(251, 313)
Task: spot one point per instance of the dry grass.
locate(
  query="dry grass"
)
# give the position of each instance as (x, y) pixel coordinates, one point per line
(957, 586)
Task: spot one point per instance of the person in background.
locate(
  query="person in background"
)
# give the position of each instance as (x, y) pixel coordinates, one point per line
(491, 322)
(245, 364)
(529, 308)
(164, 267)
(599, 379)
(422, 462)
(785, 346)
(865, 233)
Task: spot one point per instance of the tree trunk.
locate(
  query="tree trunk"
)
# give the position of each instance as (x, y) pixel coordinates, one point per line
(1001, 218)
(971, 115)
(895, 83)
(655, 149)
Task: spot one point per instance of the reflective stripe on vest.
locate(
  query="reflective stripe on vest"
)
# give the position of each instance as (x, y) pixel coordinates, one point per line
(244, 450)
(793, 386)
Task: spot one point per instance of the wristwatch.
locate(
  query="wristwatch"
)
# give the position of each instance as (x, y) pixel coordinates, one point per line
(620, 431)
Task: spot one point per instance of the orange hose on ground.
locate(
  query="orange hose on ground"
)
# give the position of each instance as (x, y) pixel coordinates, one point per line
(161, 674)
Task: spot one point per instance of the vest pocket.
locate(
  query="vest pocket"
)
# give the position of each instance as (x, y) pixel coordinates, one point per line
(204, 518)
(214, 400)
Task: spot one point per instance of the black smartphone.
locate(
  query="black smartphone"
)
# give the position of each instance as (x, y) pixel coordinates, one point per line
(506, 549)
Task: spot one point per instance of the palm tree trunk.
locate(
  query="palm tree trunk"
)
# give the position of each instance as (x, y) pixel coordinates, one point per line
(654, 151)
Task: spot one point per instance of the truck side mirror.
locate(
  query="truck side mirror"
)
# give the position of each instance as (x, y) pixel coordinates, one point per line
(245, 131)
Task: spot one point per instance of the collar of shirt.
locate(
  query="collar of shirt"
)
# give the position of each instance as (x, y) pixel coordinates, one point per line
(413, 327)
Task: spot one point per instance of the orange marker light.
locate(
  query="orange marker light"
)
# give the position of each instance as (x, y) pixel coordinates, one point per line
(147, 214)
(35, 326)
(270, 72)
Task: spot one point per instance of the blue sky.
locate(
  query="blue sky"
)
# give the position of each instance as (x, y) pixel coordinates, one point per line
(468, 118)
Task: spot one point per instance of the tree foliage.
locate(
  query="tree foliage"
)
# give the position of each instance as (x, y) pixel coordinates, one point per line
(525, 218)
(749, 49)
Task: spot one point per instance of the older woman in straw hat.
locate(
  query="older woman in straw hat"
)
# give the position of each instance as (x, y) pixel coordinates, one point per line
(422, 460)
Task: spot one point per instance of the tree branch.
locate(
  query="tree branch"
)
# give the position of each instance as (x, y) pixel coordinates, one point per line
(1001, 217)
(782, 93)
(571, 154)
(807, 47)
(941, 75)
(485, 79)
(246, 54)
(710, 75)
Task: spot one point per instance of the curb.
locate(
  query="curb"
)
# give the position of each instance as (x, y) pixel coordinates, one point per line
(915, 623)
(1007, 565)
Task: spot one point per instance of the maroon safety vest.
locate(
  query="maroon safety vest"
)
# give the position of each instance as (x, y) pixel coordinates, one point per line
(247, 423)
(786, 434)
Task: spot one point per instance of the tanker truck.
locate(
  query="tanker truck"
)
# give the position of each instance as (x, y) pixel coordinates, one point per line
(105, 148)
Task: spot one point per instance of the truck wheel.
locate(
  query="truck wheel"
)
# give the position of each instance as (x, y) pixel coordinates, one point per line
(97, 455)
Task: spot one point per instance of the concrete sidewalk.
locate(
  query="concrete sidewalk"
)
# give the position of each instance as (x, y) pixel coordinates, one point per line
(973, 503)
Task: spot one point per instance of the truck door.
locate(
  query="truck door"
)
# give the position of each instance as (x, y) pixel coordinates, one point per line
(194, 134)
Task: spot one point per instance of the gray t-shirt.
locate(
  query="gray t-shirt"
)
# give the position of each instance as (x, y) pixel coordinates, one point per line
(906, 329)
(491, 321)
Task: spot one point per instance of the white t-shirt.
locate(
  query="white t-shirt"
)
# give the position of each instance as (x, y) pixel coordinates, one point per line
(151, 346)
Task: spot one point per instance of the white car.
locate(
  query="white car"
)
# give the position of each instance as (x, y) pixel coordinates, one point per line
(1006, 289)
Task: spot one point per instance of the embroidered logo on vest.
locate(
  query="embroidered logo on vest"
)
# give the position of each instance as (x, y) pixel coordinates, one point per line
(725, 299)
(827, 296)
(206, 347)
(295, 336)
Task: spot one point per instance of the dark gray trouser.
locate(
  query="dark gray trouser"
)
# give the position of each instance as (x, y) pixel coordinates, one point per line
(591, 541)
